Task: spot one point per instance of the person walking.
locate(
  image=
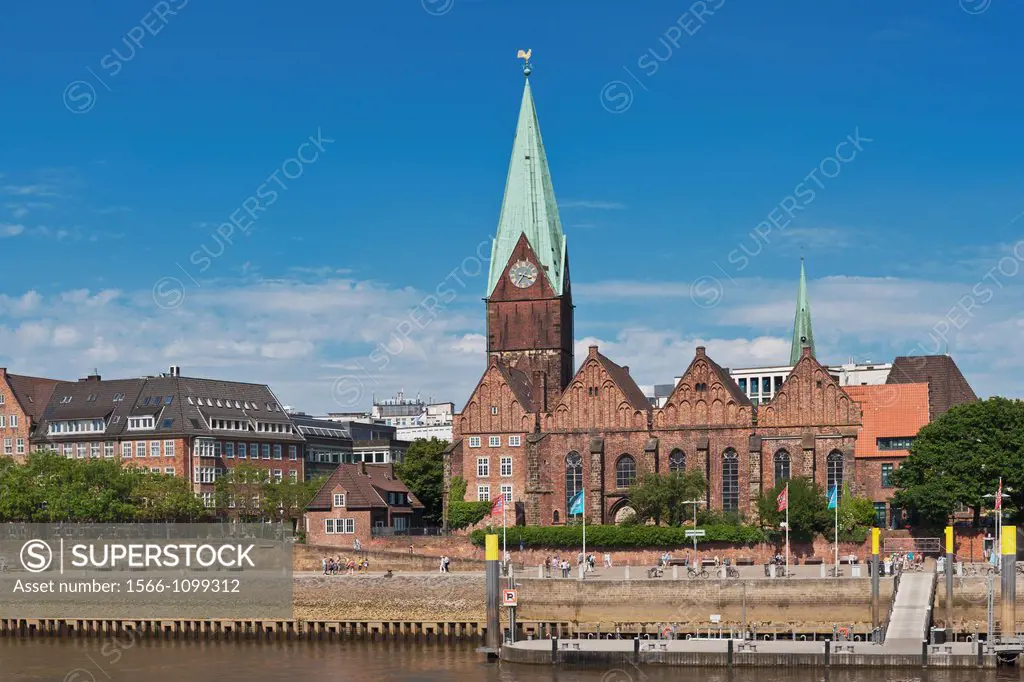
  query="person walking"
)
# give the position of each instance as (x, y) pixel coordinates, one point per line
(323, 564)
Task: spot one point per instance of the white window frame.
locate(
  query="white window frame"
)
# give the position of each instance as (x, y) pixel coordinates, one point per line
(140, 448)
(514, 441)
(168, 448)
(278, 474)
(229, 450)
(339, 526)
(19, 446)
(80, 450)
(506, 492)
(94, 450)
(339, 500)
(147, 423)
(293, 453)
(3, 421)
(8, 446)
(13, 421)
(494, 441)
(126, 449)
(293, 476)
(277, 451)
(154, 445)
(265, 450)
(169, 471)
(483, 467)
(242, 451)
(483, 493)
(108, 448)
(474, 441)
(505, 466)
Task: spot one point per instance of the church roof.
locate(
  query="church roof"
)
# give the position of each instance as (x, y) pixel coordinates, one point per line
(529, 205)
(802, 333)
(620, 375)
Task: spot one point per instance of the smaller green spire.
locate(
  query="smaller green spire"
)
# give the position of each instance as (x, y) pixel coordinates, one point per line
(803, 336)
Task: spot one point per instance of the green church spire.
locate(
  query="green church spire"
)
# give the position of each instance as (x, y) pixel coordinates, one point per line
(802, 334)
(529, 205)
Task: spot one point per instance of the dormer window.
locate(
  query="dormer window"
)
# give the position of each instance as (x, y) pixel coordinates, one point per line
(189, 398)
(339, 499)
(118, 397)
(238, 405)
(168, 400)
(219, 403)
(65, 400)
(141, 423)
(145, 402)
(91, 398)
(209, 403)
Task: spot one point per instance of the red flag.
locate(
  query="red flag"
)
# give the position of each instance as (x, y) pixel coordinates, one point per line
(498, 506)
(783, 499)
(999, 496)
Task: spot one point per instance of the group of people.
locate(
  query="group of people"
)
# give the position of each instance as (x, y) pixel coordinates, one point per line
(555, 564)
(339, 565)
(446, 564)
(902, 561)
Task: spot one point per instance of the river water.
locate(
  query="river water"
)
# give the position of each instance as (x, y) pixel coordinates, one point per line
(160, 661)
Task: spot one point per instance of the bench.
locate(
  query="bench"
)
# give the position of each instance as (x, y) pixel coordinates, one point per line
(813, 561)
(676, 562)
(744, 561)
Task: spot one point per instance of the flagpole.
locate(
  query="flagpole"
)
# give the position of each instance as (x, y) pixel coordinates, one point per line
(583, 492)
(787, 529)
(504, 546)
(837, 530)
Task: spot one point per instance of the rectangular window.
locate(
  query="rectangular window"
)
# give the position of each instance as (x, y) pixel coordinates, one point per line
(887, 475)
(880, 514)
(94, 450)
(339, 499)
(778, 383)
(108, 449)
(154, 448)
(20, 446)
(14, 421)
(514, 441)
(8, 446)
(140, 449)
(293, 453)
(474, 441)
(241, 451)
(766, 385)
(483, 493)
(755, 386)
(277, 451)
(506, 492)
(277, 475)
(3, 421)
(229, 450)
(80, 450)
(506, 466)
(169, 471)
(168, 448)
(483, 467)
(894, 443)
(266, 450)
(126, 449)
(743, 385)
(339, 526)
(494, 441)
(293, 475)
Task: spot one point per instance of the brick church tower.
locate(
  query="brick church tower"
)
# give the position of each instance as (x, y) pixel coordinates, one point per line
(529, 299)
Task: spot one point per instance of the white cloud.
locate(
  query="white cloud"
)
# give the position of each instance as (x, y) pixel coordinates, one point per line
(11, 230)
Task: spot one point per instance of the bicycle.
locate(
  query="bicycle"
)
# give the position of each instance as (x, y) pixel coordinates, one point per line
(732, 572)
(692, 572)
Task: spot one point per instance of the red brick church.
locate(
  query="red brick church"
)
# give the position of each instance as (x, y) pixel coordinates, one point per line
(537, 428)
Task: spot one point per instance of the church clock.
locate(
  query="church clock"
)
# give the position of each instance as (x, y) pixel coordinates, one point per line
(523, 273)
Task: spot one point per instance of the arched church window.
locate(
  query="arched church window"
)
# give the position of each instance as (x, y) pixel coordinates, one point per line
(730, 481)
(625, 471)
(676, 461)
(835, 470)
(573, 479)
(781, 466)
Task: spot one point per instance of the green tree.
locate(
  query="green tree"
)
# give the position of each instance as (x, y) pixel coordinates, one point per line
(808, 508)
(462, 514)
(422, 471)
(663, 497)
(960, 457)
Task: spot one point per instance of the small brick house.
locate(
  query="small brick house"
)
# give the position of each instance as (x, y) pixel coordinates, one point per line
(358, 501)
(22, 402)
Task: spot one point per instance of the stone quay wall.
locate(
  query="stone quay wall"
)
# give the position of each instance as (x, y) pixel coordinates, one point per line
(801, 604)
(970, 603)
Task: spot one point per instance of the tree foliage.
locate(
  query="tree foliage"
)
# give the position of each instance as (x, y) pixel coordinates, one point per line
(462, 514)
(960, 457)
(808, 508)
(662, 497)
(622, 536)
(50, 488)
(422, 472)
(249, 493)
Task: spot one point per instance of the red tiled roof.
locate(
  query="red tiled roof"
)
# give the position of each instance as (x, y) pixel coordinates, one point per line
(888, 411)
(363, 490)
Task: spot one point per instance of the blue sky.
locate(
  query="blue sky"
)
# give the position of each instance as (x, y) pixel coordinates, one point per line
(671, 137)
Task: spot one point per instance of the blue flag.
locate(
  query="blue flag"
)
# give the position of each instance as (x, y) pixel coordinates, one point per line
(833, 497)
(576, 504)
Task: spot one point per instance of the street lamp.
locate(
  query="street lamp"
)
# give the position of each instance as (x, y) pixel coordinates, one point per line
(694, 503)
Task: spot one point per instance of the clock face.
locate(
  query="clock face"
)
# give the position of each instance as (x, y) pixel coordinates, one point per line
(523, 273)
